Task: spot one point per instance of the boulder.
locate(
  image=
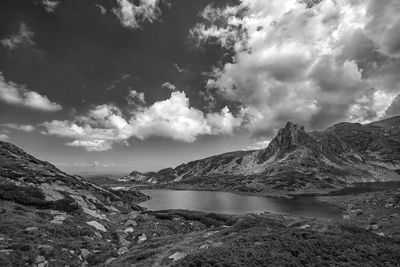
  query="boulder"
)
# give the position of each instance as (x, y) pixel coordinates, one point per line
(122, 250)
(31, 229)
(177, 256)
(45, 249)
(97, 225)
(142, 238)
(40, 261)
(85, 253)
(131, 223)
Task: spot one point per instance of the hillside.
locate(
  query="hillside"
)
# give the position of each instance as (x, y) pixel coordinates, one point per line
(296, 160)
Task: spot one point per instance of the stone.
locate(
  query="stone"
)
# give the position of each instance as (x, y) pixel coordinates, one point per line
(205, 246)
(122, 250)
(177, 256)
(58, 219)
(85, 253)
(346, 217)
(374, 227)
(121, 234)
(45, 249)
(129, 230)
(131, 223)
(305, 226)
(98, 235)
(142, 238)
(107, 262)
(31, 229)
(133, 215)
(97, 225)
(40, 261)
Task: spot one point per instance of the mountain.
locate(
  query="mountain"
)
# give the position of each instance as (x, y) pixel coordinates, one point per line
(29, 181)
(297, 159)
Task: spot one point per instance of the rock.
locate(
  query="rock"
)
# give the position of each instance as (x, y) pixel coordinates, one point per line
(121, 234)
(31, 229)
(133, 215)
(58, 219)
(394, 215)
(142, 238)
(40, 261)
(107, 262)
(98, 235)
(122, 250)
(305, 226)
(346, 217)
(129, 230)
(374, 227)
(45, 249)
(97, 225)
(177, 256)
(85, 253)
(389, 205)
(205, 246)
(131, 223)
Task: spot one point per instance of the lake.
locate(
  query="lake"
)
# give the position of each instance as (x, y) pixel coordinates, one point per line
(230, 203)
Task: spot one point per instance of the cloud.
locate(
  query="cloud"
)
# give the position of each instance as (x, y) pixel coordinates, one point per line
(315, 62)
(394, 108)
(15, 94)
(24, 36)
(178, 68)
(102, 9)
(132, 15)
(20, 127)
(168, 86)
(258, 145)
(50, 5)
(3, 137)
(171, 118)
(136, 98)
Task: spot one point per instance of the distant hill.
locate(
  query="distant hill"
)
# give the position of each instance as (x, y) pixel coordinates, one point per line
(296, 160)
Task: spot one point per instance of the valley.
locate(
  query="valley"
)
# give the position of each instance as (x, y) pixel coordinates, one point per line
(298, 202)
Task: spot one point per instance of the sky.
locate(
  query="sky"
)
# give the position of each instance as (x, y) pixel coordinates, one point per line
(112, 86)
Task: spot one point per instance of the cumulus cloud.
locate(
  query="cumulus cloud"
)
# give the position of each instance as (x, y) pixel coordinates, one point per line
(169, 86)
(102, 9)
(394, 108)
(3, 137)
(23, 37)
(16, 94)
(172, 118)
(132, 14)
(50, 5)
(20, 127)
(313, 62)
(136, 98)
(261, 144)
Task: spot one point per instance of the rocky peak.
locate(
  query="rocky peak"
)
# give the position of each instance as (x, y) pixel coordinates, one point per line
(288, 138)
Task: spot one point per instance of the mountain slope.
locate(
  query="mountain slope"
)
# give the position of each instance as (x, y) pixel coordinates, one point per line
(26, 180)
(297, 159)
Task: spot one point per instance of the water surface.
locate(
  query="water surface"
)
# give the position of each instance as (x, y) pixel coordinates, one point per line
(229, 203)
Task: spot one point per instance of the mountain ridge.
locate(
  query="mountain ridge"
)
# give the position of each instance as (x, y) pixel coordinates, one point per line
(341, 154)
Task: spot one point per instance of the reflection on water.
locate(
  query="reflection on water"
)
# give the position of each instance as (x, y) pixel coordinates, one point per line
(229, 203)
